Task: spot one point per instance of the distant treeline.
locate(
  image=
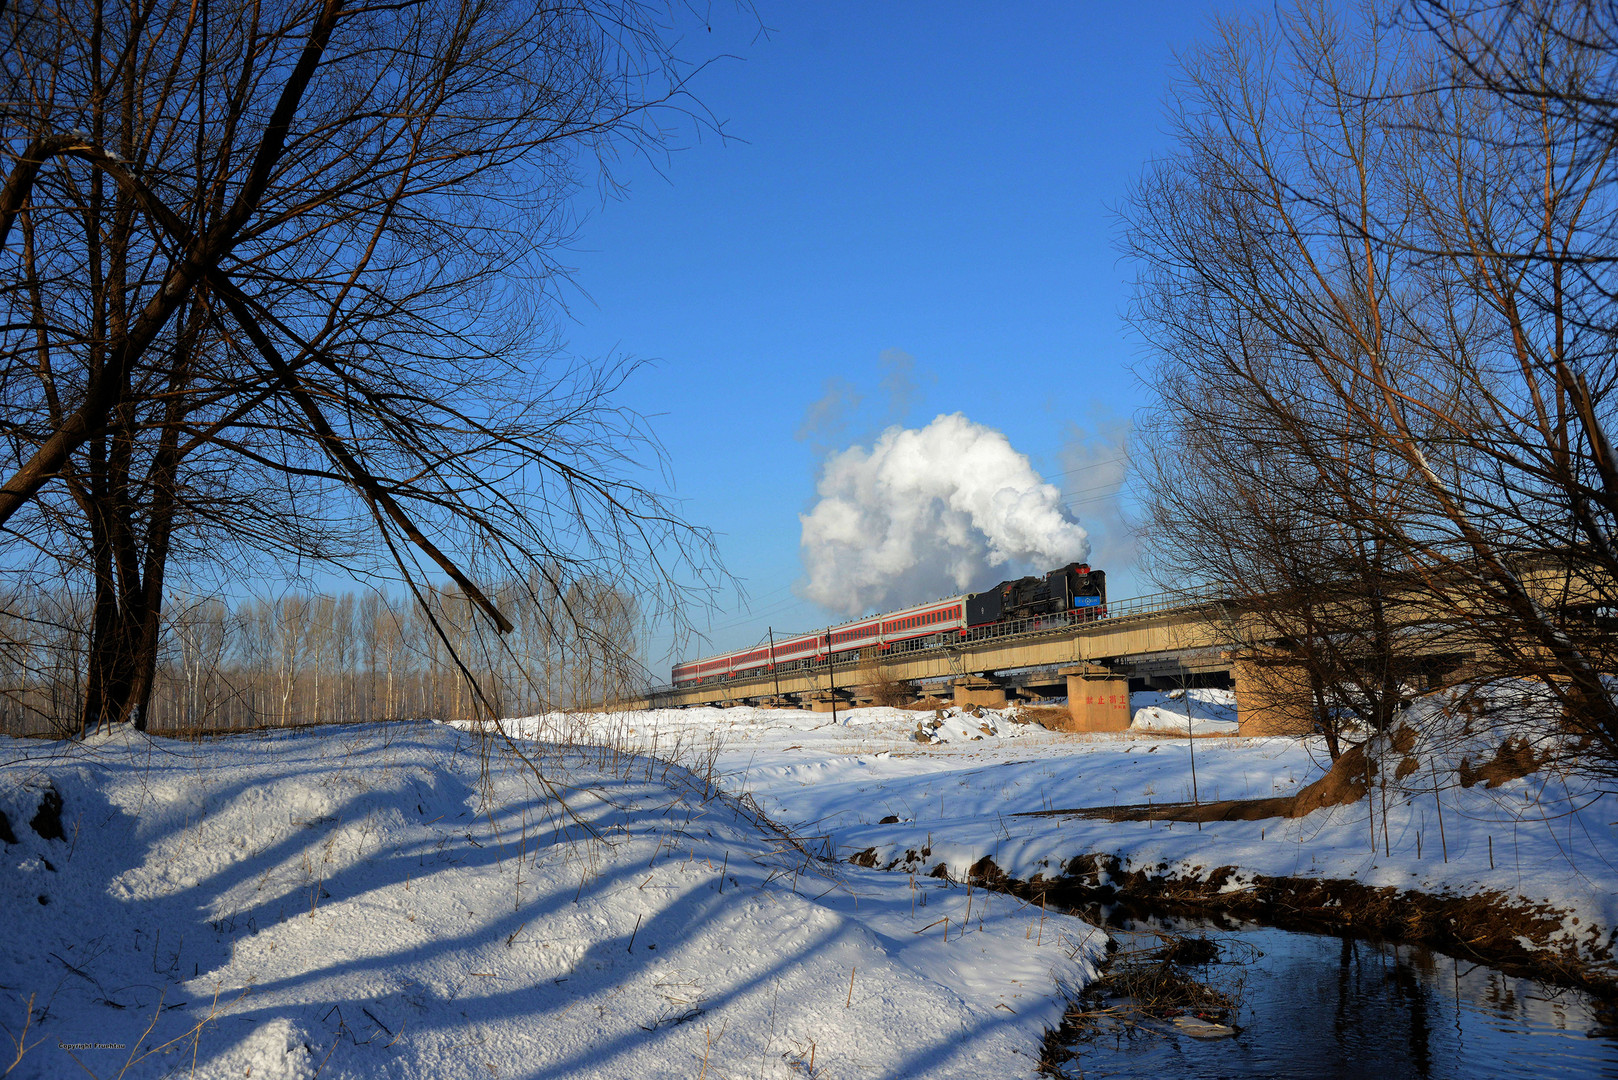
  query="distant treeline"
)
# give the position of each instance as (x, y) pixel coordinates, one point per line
(303, 659)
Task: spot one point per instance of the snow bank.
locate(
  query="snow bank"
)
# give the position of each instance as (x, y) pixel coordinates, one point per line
(1213, 712)
(1546, 840)
(384, 900)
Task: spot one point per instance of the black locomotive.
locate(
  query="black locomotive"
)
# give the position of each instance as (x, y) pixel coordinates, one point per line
(1072, 586)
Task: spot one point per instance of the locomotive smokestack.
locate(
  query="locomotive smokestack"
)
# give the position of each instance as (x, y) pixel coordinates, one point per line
(927, 512)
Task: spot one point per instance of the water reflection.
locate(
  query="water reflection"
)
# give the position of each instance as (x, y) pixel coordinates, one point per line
(1324, 1008)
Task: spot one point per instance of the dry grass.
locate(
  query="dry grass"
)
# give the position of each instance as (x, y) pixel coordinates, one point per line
(1051, 716)
(1153, 982)
(883, 688)
(1146, 986)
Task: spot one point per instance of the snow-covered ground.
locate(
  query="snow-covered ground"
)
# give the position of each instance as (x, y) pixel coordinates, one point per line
(958, 793)
(1546, 839)
(388, 901)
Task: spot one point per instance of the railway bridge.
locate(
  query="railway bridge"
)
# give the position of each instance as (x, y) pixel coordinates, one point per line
(1148, 642)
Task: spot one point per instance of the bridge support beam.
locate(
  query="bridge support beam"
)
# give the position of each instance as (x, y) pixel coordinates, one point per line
(976, 690)
(1097, 698)
(822, 700)
(1272, 698)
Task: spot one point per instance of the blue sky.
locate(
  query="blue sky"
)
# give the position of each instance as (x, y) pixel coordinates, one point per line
(930, 184)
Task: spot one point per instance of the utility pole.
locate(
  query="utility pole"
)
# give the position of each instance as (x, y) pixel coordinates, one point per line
(1190, 740)
(831, 675)
(773, 670)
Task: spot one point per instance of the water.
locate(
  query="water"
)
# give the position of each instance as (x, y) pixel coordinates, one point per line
(1317, 1007)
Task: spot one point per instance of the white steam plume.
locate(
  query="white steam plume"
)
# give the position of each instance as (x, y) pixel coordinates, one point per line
(928, 512)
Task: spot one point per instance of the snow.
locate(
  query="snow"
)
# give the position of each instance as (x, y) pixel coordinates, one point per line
(1548, 839)
(1213, 712)
(401, 900)
(634, 894)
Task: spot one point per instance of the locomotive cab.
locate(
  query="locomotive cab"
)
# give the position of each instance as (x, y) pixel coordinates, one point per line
(1083, 588)
(1074, 586)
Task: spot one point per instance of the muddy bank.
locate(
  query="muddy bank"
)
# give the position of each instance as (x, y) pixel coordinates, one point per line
(1505, 932)
(1348, 780)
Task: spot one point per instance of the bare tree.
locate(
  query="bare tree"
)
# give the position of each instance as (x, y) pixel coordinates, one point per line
(1389, 265)
(275, 285)
(323, 659)
(1312, 595)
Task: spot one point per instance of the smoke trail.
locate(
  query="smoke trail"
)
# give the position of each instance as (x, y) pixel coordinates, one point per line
(928, 512)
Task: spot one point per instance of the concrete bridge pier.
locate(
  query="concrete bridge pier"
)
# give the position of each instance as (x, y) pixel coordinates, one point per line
(1097, 698)
(977, 690)
(1273, 697)
(822, 700)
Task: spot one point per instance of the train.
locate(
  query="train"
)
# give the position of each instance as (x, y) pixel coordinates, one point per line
(1072, 593)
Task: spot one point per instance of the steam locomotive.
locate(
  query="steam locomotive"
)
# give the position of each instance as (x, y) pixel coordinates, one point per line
(1070, 593)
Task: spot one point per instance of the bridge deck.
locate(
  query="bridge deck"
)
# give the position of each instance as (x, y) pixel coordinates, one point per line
(1137, 629)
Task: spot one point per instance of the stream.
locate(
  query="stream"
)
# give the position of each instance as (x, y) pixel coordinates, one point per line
(1322, 1007)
